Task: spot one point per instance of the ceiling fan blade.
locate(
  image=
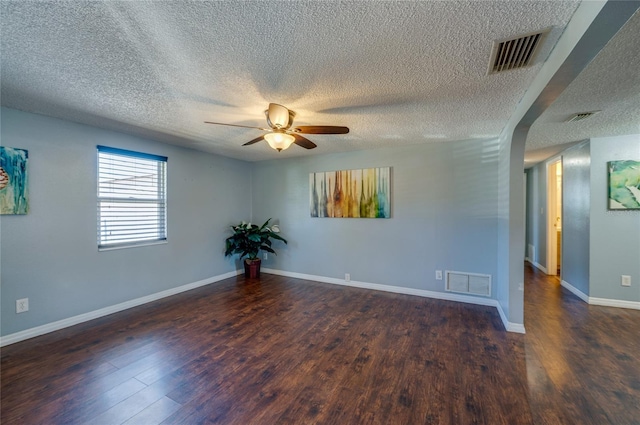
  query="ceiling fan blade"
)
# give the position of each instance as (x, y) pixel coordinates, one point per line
(256, 140)
(320, 129)
(237, 125)
(303, 141)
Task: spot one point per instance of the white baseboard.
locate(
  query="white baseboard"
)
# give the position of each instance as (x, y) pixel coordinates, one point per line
(65, 323)
(71, 321)
(607, 302)
(509, 326)
(578, 293)
(539, 266)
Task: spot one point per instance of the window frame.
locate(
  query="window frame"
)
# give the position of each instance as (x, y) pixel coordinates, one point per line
(125, 197)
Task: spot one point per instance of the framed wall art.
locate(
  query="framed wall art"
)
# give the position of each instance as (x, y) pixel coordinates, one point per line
(624, 185)
(14, 193)
(364, 193)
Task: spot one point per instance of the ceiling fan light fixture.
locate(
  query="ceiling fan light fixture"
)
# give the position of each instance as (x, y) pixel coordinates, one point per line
(280, 134)
(279, 141)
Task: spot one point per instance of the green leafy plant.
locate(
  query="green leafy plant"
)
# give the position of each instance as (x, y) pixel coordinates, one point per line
(248, 239)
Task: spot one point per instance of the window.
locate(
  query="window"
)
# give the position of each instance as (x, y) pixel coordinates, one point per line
(132, 204)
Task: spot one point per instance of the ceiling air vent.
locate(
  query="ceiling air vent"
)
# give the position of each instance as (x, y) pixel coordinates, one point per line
(515, 53)
(580, 116)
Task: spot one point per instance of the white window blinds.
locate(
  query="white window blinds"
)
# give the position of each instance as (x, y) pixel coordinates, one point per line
(132, 205)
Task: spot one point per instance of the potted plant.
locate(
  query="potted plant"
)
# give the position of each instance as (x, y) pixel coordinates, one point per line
(247, 240)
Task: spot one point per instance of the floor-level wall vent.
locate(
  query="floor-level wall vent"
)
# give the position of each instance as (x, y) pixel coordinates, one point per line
(468, 283)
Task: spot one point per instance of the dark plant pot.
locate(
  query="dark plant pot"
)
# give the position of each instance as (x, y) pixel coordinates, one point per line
(252, 268)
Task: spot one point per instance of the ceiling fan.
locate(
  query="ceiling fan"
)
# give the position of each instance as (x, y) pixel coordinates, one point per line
(281, 132)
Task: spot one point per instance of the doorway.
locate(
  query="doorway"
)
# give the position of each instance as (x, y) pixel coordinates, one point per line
(554, 217)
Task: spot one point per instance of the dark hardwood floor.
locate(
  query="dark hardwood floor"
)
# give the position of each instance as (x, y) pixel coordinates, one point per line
(583, 362)
(286, 351)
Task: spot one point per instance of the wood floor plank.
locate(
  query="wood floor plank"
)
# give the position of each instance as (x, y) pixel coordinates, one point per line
(131, 406)
(289, 351)
(155, 413)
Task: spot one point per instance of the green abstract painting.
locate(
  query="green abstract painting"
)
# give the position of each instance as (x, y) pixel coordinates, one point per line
(624, 185)
(13, 181)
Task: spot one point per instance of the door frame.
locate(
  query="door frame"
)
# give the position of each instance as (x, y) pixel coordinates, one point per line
(552, 206)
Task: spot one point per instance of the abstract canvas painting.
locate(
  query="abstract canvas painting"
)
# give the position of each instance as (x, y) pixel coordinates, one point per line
(624, 185)
(364, 193)
(13, 181)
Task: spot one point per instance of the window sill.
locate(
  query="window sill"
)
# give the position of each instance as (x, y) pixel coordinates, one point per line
(136, 245)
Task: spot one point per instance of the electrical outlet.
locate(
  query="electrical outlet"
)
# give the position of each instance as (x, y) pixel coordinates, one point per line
(521, 286)
(22, 305)
(347, 277)
(265, 256)
(625, 280)
(438, 274)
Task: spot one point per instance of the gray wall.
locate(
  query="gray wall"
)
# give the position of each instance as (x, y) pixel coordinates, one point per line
(528, 190)
(511, 213)
(536, 228)
(503, 242)
(533, 215)
(51, 255)
(444, 215)
(576, 198)
(615, 235)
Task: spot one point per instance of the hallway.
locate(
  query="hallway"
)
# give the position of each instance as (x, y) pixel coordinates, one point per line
(583, 361)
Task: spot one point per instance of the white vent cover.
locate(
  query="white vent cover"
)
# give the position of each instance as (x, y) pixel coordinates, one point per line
(580, 116)
(468, 283)
(515, 53)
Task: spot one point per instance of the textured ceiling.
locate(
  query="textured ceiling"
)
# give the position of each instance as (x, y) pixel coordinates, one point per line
(609, 84)
(394, 72)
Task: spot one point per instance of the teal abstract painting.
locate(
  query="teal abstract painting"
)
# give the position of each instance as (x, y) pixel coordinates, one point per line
(14, 192)
(624, 185)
